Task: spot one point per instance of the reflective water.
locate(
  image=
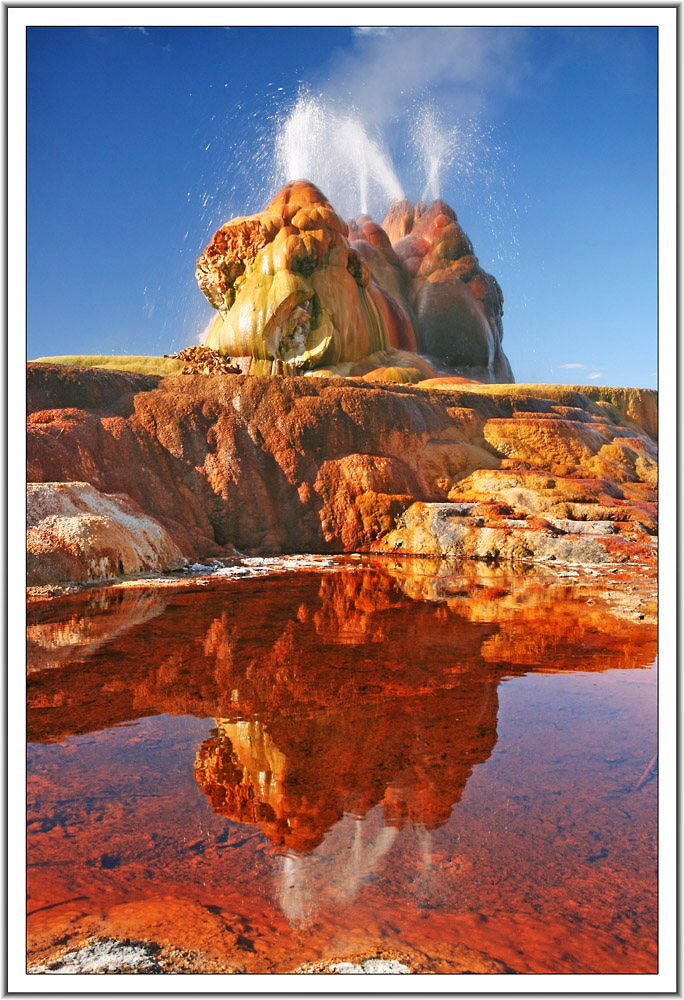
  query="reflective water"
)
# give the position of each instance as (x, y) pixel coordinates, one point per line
(450, 766)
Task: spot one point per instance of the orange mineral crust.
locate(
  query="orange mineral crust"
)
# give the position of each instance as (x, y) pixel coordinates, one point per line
(269, 465)
(454, 767)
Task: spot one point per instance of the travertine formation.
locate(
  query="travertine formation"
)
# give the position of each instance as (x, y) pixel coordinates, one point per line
(272, 464)
(289, 288)
(298, 289)
(457, 307)
(76, 533)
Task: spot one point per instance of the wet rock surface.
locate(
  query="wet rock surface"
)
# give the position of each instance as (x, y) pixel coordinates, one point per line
(291, 290)
(297, 288)
(457, 305)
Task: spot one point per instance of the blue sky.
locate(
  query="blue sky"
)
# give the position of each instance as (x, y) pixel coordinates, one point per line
(142, 141)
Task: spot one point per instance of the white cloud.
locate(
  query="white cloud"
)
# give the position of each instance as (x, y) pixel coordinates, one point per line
(574, 364)
(370, 31)
(595, 375)
(387, 68)
(143, 31)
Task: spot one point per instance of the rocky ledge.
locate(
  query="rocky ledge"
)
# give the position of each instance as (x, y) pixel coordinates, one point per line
(201, 466)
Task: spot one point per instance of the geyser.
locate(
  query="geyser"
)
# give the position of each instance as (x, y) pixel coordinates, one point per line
(361, 170)
(337, 153)
(299, 290)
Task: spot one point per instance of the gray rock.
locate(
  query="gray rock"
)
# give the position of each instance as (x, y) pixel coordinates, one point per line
(102, 957)
(372, 966)
(583, 527)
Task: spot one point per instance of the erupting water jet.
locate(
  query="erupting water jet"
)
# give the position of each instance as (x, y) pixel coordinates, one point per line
(337, 153)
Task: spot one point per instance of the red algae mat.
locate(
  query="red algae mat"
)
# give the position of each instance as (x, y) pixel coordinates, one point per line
(453, 766)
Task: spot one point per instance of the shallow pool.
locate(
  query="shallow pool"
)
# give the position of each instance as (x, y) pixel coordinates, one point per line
(451, 766)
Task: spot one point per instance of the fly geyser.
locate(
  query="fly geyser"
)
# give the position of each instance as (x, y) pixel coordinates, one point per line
(298, 290)
(409, 438)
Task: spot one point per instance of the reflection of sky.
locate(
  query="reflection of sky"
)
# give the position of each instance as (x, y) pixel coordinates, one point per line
(140, 144)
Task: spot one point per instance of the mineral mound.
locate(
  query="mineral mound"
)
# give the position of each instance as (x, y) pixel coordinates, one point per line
(297, 289)
(271, 465)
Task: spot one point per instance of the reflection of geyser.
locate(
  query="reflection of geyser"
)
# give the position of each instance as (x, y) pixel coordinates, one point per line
(348, 857)
(332, 791)
(336, 870)
(297, 776)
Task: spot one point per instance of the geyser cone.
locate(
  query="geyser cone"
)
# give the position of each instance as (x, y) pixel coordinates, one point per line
(399, 219)
(297, 291)
(296, 286)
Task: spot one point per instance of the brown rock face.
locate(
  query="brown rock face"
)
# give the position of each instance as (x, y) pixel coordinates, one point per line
(275, 464)
(295, 286)
(82, 427)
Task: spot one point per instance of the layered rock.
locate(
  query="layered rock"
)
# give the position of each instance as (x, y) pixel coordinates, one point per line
(298, 288)
(76, 533)
(269, 464)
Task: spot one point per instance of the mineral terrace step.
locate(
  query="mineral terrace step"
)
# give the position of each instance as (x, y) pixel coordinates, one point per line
(583, 527)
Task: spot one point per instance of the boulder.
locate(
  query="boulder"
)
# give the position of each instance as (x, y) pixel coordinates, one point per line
(76, 533)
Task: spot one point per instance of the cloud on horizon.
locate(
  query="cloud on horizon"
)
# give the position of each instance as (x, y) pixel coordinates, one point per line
(576, 366)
